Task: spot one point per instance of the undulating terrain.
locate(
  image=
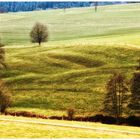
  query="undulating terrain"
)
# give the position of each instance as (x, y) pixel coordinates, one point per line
(72, 68)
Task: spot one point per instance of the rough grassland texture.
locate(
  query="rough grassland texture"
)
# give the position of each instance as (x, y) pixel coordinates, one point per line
(70, 71)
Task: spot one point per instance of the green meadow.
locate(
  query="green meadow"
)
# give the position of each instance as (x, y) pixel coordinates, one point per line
(9, 129)
(72, 68)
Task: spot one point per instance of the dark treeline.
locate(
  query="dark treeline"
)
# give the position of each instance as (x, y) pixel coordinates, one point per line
(31, 6)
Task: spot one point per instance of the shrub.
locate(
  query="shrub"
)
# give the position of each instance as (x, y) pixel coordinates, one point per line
(25, 114)
(133, 120)
(70, 113)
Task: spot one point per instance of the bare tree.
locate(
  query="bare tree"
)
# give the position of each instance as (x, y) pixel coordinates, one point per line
(5, 97)
(39, 33)
(116, 95)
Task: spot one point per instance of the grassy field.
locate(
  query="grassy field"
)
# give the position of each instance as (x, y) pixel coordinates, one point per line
(116, 21)
(70, 71)
(19, 130)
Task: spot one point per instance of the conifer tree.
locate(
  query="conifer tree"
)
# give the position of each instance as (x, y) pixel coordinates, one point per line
(115, 99)
(135, 91)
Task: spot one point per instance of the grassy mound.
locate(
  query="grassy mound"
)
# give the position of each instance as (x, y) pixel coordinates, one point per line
(61, 78)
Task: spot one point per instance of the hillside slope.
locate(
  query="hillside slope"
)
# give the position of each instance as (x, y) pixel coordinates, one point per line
(71, 70)
(115, 21)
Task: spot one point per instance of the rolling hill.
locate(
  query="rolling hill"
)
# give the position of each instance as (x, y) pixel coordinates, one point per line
(71, 70)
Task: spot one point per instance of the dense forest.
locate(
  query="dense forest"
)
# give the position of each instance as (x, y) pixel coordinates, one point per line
(31, 6)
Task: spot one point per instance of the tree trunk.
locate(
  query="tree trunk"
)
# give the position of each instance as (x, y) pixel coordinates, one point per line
(3, 108)
(96, 4)
(39, 43)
